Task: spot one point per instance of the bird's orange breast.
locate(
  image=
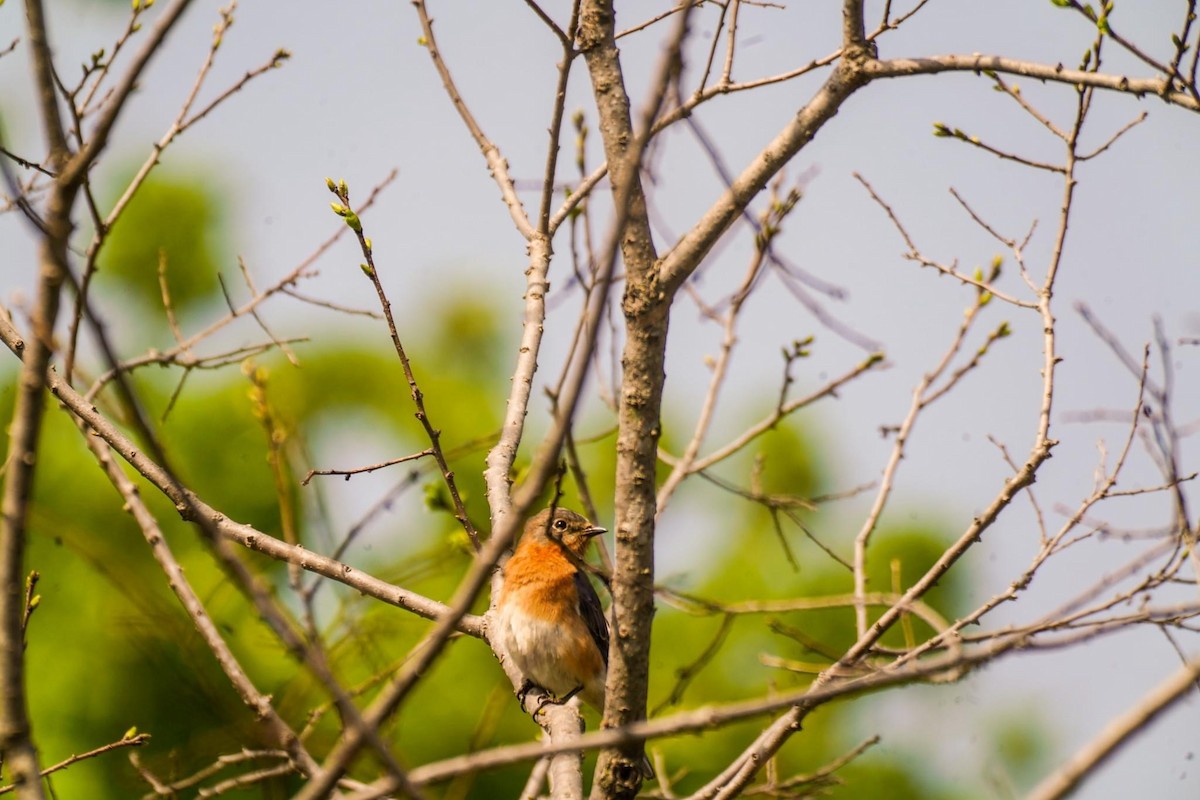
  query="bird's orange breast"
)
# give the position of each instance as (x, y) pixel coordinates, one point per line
(542, 580)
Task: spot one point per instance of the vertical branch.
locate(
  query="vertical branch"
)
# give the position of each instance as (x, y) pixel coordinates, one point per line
(500, 458)
(17, 749)
(854, 31)
(43, 71)
(646, 308)
(556, 118)
(342, 192)
(727, 69)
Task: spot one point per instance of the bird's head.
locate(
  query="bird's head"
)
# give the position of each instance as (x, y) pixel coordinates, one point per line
(563, 527)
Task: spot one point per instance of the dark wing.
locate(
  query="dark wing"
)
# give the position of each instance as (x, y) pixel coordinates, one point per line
(592, 613)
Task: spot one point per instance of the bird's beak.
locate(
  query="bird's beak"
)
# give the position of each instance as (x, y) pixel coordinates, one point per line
(595, 530)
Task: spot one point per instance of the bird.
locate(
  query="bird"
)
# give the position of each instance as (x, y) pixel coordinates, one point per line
(548, 615)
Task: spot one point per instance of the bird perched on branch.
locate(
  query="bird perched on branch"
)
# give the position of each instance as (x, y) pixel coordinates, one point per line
(548, 615)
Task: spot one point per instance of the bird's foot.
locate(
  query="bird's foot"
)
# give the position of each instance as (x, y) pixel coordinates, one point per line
(522, 693)
(551, 700)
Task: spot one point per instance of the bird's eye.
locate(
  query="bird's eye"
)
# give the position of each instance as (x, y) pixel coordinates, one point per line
(560, 524)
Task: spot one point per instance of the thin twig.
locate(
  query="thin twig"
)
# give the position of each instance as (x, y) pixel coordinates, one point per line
(136, 740)
(369, 468)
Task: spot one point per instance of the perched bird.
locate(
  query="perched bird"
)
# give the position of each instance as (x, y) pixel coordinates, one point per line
(548, 615)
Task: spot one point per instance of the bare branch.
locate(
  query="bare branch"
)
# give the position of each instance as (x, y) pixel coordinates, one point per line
(688, 252)
(899, 67)
(1117, 733)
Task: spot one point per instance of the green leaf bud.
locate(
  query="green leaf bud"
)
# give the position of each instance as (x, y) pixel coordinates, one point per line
(997, 264)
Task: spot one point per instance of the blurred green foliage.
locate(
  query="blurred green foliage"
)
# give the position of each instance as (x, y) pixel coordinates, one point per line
(110, 648)
(174, 223)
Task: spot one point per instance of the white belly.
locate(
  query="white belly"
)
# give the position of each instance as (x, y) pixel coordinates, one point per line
(534, 645)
